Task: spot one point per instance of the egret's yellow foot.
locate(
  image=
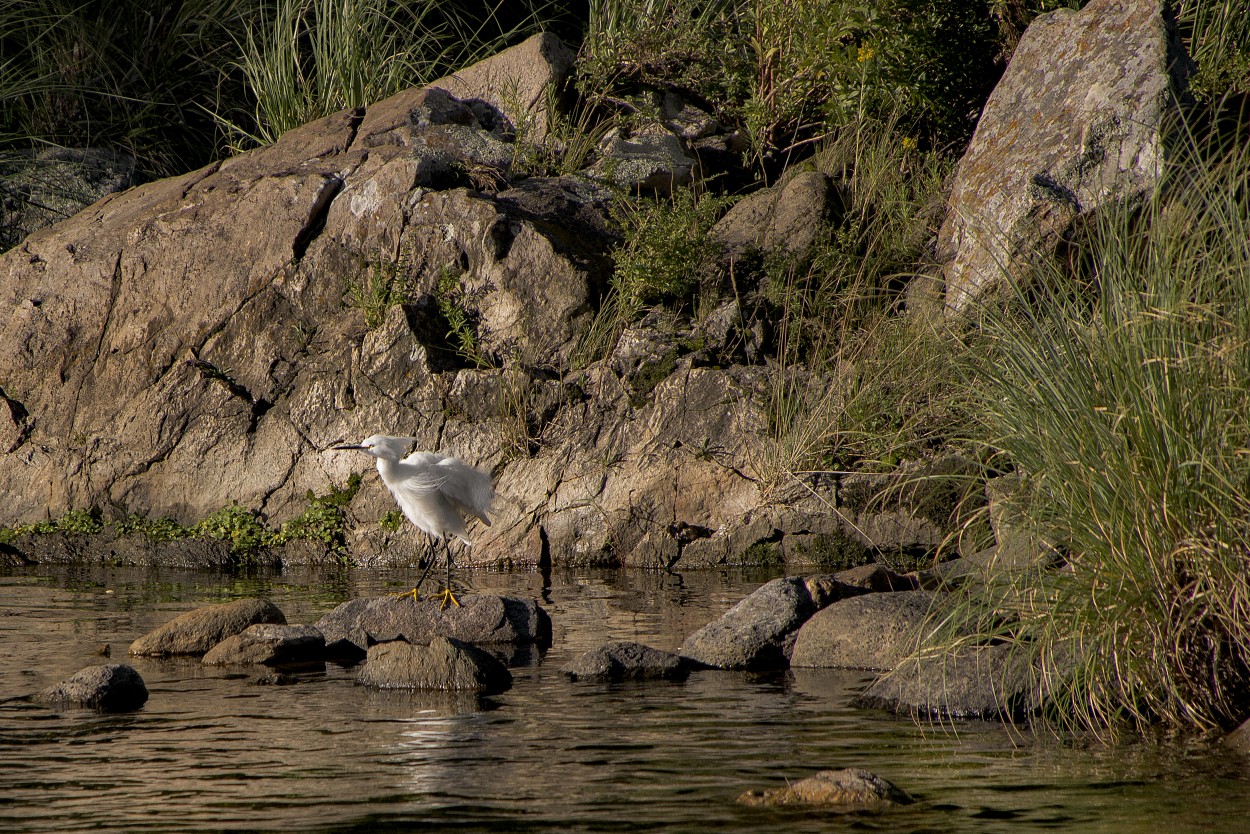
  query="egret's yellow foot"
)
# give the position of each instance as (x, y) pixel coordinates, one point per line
(413, 593)
(447, 597)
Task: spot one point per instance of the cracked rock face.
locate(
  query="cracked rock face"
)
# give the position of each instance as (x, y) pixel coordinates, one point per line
(200, 341)
(1076, 123)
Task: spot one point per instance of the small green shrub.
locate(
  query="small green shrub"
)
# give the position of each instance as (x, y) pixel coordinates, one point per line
(325, 520)
(666, 254)
(377, 287)
(450, 297)
(1217, 36)
(666, 257)
(153, 529)
(82, 522)
(239, 526)
(790, 71)
(391, 521)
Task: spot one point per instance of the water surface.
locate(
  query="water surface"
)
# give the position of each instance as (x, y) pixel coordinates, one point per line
(214, 750)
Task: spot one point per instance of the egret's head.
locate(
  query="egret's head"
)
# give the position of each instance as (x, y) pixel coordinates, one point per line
(382, 446)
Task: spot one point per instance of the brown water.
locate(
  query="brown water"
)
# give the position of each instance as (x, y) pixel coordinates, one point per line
(212, 750)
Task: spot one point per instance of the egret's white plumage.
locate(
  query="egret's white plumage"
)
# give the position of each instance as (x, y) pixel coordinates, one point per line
(437, 493)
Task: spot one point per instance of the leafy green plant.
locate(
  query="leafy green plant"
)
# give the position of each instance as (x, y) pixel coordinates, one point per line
(461, 323)
(666, 254)
(324, 521)
(792, 71)
(670, 44)
(1217, 34)
(1118, 387)
(666, 257)
(391, 521)
(153, 529)
(80, 522)
(377, 287)
(241, 527)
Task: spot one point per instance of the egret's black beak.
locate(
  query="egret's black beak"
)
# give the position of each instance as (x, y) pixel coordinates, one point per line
(338, 448)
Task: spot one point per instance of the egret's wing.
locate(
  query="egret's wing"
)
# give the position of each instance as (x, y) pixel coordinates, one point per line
(418, 492)
(468, 489)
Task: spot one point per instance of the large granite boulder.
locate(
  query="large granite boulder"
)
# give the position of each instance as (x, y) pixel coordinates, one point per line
(517, 82)
(113, 687)
(480, 619)
(1076, 123)
(195, 632)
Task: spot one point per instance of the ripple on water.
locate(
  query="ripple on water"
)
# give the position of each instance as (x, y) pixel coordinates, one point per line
(213, 751)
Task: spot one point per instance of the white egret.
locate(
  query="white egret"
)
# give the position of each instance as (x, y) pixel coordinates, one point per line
(436, 493)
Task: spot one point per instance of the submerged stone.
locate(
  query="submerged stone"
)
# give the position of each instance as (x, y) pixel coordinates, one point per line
(624, 660)
(270, 644)
(480, 619)
(848, 789)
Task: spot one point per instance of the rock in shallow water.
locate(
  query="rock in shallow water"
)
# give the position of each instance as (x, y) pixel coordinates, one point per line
(985, 682)
(623, 660)
(874, 631)
(850, 789)
(113, 687)
(270, 644)
(444, 664)
(481, 619)
(753, 634)
(195, 632)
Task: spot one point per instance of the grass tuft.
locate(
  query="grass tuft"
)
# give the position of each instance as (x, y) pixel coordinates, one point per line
(1118, 387)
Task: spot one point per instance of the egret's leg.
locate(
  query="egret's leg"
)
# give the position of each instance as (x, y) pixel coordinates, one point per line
(447, 596)
(416, 588)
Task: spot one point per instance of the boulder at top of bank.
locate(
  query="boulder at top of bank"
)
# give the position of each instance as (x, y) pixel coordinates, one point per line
(113, 687)
(195, 632)
(1076, 123)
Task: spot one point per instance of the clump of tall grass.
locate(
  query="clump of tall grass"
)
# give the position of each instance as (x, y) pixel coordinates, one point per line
(134, 76)
(303, 59)
(1217, 35)
(1118, 386)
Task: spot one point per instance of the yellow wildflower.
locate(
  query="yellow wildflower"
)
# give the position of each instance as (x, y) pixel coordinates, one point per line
(865, 54)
